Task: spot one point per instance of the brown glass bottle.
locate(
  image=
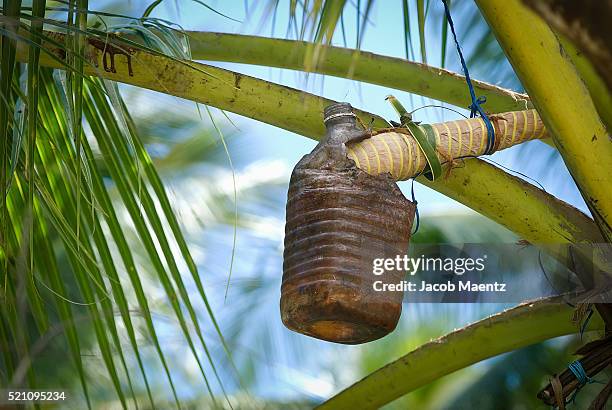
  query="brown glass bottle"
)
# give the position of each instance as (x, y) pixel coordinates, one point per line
(339, 219)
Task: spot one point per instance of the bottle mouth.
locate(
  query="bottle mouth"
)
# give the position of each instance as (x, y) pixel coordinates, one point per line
(337, 110)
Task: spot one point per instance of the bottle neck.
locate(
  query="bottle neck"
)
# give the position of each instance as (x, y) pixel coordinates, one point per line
(340, 122)
(344, 121)
(338, 112)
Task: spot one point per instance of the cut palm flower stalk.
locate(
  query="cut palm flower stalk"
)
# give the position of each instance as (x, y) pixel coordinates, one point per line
(396, 151)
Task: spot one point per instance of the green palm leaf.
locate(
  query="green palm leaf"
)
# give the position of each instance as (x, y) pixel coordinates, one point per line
(70, 207)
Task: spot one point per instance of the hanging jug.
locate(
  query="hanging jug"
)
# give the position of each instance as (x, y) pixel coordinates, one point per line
(339, 220)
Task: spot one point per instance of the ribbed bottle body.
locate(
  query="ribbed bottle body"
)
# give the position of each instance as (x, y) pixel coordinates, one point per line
(338, 222)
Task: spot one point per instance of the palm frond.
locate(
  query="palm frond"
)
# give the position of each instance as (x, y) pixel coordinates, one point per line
(60, 205)
(444, 40)
(7, 67)
(408, 48)
(421, 20)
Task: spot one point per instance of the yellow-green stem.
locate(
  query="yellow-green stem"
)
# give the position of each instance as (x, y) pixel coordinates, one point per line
(396, 73)
(509, 330)
(562, 100)
(597, 87)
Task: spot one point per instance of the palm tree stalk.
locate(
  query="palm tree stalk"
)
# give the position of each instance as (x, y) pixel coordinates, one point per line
(396, 73)
(562, 100)
(528, 323)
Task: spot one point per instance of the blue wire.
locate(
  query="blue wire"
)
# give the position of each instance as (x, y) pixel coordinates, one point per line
(578, 370)
(583, 379)
(475, 107)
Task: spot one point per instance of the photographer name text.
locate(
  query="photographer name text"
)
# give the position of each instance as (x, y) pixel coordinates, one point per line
(460, 286)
